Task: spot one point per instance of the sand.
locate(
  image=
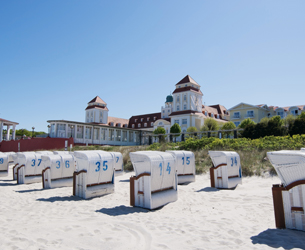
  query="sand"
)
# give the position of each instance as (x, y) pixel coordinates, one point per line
(202, 218)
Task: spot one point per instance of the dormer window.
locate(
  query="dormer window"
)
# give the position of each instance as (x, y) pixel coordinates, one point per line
(145, 124)
(135, 120)
(142, 119)
(151, 124)
(119, 125)
(111, 124)
(148, 119)
(139, 125)
(132, 125)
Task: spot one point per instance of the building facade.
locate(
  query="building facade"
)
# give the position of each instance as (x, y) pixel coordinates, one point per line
(256, 113)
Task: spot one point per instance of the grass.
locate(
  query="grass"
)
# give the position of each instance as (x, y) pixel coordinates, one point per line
(253, 162)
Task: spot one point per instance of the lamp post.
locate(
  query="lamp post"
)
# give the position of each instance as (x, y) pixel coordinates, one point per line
(49, 126)
(71, 127)
(33, 132)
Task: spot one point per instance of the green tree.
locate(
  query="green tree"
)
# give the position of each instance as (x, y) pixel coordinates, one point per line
(298, 127)
(289, 120)
(227, 126)
(191, 130)
(175, 129)
(264, 120)
(302, 115)
(246, 122)
(210, 124)
(161, 133)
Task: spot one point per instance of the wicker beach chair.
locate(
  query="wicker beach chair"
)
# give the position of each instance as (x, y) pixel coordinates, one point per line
(29, 169)
(185, 162)
(58, 170)
(289, 196)
(94, 174)
(226, 170)
(10, 156)
(155, 181)
(118, 163)
(4, 164)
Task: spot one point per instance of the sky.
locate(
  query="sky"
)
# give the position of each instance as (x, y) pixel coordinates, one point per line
(56, 56)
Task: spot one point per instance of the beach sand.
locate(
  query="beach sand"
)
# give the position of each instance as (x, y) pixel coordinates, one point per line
(201, 218)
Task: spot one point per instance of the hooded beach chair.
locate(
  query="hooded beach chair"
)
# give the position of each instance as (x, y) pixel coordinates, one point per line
(58, 171)
(30, 167)
(94, 174)
(155, 181)
(118, 163)
(19, 160)
(289, 196)
(226, 170)
(4, 164)
(10, 156)
(185, 162)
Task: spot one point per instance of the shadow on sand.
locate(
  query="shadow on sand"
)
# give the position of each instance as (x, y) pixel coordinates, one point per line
(122, 210)
(208, 189)
(59, 198)
(276, 238)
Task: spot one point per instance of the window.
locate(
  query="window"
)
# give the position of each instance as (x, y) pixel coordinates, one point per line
(119, 125)
(163, 111)
(111, 134)
(79, 132)
(88, 132)
(212, 115)
(132, 125)
(184, 106)
(160, 123)
(103, 134)
(178, 108)
(185, 85)
(145, 124)
(95, 133)
(130, 136)
(118, 135)
(177, 121)
(142, 119)
(184, 98)
(168, 110)
(135, 120)
(250, 113)
(184, 121)
(236, 115)
(151, 124)
(124, 136)
(206, 113)
(155, 118)
(111, 124)
(139, 125)
(178, 99)
(148, 119)
(101, 116)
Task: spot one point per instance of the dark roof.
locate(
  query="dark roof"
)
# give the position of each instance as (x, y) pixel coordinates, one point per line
(188, 79)
(144, 116)
(98, 100)
(184, 112)
(189, 88)
(96, 106)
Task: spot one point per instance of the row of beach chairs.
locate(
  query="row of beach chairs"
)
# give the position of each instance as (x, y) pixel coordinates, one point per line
(157, 174)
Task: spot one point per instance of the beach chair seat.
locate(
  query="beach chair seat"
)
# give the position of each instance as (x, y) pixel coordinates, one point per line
(58, 170)
(155, 182)
(118, 163)
(289, 196)
(226, 171)
(30, 167)
(94, 174)
(4, 164)
(185, 162)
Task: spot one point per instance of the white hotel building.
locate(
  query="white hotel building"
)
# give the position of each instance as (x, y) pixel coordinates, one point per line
(184, 107)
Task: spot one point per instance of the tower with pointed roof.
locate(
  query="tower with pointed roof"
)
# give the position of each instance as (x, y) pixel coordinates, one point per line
(97, 111)
(168, 108)
(187, 104)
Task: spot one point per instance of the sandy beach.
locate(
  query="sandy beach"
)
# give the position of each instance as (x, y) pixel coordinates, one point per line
(202, 218)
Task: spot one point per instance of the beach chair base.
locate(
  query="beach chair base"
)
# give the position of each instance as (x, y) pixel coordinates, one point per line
(47, 182)
(289, 205)
(217, 181)
(142, 196)
(186, 178)
(82, 190)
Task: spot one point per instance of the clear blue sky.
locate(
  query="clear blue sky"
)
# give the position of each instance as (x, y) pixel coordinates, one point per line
(55, 56)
